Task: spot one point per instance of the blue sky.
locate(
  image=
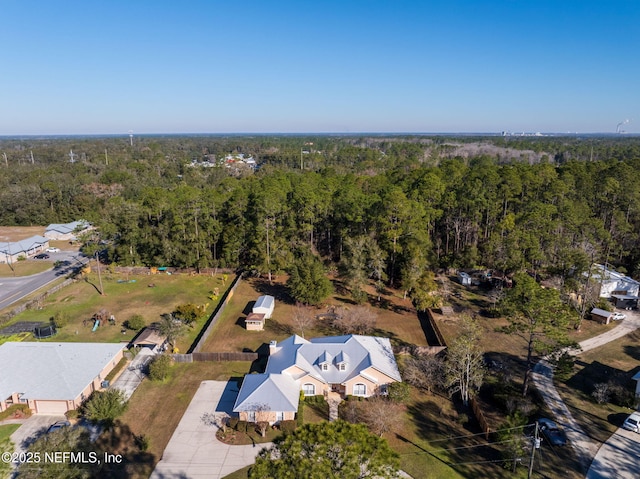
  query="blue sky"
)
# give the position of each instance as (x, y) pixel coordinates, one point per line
(88, 67)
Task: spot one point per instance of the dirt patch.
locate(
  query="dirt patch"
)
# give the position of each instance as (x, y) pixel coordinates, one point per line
(17, 233)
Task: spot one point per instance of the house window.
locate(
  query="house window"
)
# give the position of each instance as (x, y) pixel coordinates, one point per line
(359, 389)
(251, 416)
(280, 416)
(325, 367)
(309, 389)
(343, 367)
(383, 389)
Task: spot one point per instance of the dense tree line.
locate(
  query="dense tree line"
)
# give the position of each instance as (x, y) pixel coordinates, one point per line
(386, 208)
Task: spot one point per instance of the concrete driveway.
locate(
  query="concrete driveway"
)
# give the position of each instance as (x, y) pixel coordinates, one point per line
(130, 378)
(31, 429)
(193, 451)
(617, 458)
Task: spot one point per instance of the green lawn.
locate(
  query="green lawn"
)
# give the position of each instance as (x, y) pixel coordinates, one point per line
(24, 268)
(6, 430)
(147, 295)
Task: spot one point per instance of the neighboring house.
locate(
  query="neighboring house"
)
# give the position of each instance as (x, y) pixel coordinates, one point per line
(53, 378)
(65, 232)
(264, 305)
(347, 365)
(611, 282)
(601, 315)
(10, 252)
(254, 322)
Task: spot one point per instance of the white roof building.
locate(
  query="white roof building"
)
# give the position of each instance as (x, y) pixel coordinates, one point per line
(65, 231)
(54, 377)
(10, 252)
(346, 365)
(612, 282)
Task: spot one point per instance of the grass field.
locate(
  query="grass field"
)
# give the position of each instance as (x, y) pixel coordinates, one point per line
(24, 268)
(155, 409)
(396, 318)
(149, 296)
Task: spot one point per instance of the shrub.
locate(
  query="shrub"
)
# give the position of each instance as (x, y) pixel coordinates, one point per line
(398, 392)
(159, 367)
(288, 426)
(22, 409)
(242, 426)
(564, 365)
(601, 393)
(300, 414)
(60, 319)
(143, 442)
(135, 322)
(233, 423)
(72, 414)
(104, 407)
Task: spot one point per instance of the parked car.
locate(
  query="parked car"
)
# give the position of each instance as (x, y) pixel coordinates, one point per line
(552, 433)
(58, 425)
(52, 250)
(618, 316)
(632, 423)
(41, 256)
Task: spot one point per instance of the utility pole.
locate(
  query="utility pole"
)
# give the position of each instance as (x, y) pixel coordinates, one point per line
(534, 446)
(99, 276)
(6, 162)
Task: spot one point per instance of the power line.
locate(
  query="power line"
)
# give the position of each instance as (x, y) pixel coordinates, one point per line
(481, 433)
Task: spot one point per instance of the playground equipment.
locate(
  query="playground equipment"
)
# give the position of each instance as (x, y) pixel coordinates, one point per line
(95, 325)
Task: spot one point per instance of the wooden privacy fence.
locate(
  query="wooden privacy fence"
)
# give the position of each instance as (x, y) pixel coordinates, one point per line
(211, 357)
(436, 330)
(213, 319)
(481, 418)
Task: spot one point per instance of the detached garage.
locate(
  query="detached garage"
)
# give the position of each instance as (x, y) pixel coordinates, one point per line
(264, 305)
(53, 378)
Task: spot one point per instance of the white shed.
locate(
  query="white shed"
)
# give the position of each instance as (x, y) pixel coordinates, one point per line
(464, 278)
(264, 305)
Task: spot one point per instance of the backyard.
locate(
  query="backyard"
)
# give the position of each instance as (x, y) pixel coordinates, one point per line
(125, 295)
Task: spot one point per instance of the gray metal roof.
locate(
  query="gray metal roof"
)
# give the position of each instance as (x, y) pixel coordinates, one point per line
(268, 392)
(267, 302)
(358, 352)
(23, 246)
(601, 312)
(54, 371)
(67, 228)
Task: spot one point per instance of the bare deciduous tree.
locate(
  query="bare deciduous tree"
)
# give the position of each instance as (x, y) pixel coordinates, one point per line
(381, 415)
(355, 319)
(464, 366)
(425, 372)
(303, 319)
(218, 419)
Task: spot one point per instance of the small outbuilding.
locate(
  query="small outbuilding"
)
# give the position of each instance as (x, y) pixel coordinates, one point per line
(464, 278)
(254, 322)
(601, 315)
(150, 338)
(264, 305)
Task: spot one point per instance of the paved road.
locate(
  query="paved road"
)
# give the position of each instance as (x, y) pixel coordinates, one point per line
(13, 290)
(542, 376)
(617, 458)
(193, 451)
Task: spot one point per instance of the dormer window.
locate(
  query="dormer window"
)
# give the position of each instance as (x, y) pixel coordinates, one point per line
(342, 367)
(325, 367)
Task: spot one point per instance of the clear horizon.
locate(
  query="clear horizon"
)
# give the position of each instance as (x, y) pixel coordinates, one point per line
(327, 68)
